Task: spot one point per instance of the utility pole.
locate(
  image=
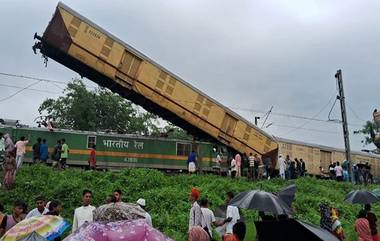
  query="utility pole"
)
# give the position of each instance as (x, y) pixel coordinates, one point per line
(340, 97)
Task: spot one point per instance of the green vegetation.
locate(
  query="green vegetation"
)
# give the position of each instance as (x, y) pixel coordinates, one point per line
(167, 196)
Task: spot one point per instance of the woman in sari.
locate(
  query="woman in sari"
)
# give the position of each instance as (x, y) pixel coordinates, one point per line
(9, 145)
(197, 233)
(337, 228)
(362, 227)
(9, 171)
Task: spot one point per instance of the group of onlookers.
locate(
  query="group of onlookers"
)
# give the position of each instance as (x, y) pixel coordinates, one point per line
(12, 155)
(202, 220)
(291, 169)
(336, 171)
(82, 214)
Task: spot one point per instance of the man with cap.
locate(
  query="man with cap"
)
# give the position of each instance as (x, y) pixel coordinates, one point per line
(148, 218)
(195, 211)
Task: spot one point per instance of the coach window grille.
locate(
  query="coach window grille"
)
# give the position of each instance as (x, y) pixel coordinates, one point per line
(183, 149)
(91, 140)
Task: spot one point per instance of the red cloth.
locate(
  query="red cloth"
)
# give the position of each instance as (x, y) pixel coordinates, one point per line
(197, 233)
(230, 237)
(376, 237)
(363, 230)
(92, 160)
(195, 193)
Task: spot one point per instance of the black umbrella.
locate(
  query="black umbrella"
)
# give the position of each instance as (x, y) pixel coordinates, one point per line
(291, 229)
(361, 197)
(287, 194)
(261, 201)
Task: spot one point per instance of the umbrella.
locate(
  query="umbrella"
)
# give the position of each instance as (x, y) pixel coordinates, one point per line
(291, 229)
(376, 192)
(287, 194)
(136, 230)
(118, 211)
(34, 237)
(361, 197)
(262, 201)
(47, 226)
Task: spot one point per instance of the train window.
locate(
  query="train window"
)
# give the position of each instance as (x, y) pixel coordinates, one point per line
(183, 149)
(91, 140)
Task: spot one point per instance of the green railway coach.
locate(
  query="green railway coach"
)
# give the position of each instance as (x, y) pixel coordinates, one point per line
(122, 150)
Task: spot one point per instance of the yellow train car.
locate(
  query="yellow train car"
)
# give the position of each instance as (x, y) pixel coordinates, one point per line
(86, 48)
(316, 156)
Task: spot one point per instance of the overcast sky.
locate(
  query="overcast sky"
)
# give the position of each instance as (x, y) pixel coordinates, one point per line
(247, 54)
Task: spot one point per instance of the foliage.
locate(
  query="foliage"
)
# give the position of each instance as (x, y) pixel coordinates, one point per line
(167, 196)
(99, 109)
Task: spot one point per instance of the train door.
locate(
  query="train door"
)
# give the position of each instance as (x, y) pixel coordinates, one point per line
(325, 159)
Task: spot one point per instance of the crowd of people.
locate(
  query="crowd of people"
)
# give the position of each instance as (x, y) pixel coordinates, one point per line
(82, 214)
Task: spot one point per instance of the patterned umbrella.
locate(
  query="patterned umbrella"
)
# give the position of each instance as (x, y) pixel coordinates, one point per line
(34, 237)
(47, 226)
(136, 230)
(118, 211)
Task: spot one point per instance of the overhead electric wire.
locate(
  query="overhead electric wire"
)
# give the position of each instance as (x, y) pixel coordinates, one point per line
(37, 90)
(19, 91)
(56, 83)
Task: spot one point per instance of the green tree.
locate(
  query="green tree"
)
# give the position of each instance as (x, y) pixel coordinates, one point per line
(99, 109)
(368, 131)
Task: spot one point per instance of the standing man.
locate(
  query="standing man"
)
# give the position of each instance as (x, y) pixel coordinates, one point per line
(338, 172)
(92, 160)
(208, 217)
(282, 164)
(20, 150)
(192, 162)
(83, 214)
(195, 216)
(44, 151)
(40, 208)
(2, 144)
(64, 154)
(303, 167)
(256, 165)
(36, 150)
(287, 171)
(251, 159)
(267, 163)
(118, 194)
(233, 168)
(232, 214)
(238, 164)
(148, 218)
(56, 157)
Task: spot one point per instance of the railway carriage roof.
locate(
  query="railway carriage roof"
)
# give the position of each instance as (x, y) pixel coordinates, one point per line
(66, 131)
(146, 58)
(324, 148)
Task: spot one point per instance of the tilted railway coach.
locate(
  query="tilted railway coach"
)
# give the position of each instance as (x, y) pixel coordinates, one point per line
(81, 45)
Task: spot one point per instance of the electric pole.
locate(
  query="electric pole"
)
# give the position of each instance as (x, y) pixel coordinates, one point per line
(340, 97)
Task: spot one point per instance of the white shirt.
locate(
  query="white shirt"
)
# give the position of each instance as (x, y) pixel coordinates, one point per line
(233, 165)
(82, 215)
(282, 164)
(207, 218)
(195, 215)
(148, 219)
(232, 212)
(36, 213)
(338, 171)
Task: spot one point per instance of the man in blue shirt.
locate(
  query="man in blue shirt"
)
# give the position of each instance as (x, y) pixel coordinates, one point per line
(191, 162)
(44, 151)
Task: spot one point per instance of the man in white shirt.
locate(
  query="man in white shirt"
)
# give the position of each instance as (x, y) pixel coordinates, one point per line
(338, 172)
(83, 214)
(39, 210)
(208, 217)
(282, 164)
(232, 214)
(195, 215)
(148, 218)
(233, 168)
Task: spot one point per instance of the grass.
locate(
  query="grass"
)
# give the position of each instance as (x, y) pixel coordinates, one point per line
(167, 196)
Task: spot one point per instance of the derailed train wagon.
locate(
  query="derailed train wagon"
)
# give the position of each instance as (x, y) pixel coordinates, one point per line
(86, 48)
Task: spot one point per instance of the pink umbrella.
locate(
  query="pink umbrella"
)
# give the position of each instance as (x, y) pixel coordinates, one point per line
(133, 230)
